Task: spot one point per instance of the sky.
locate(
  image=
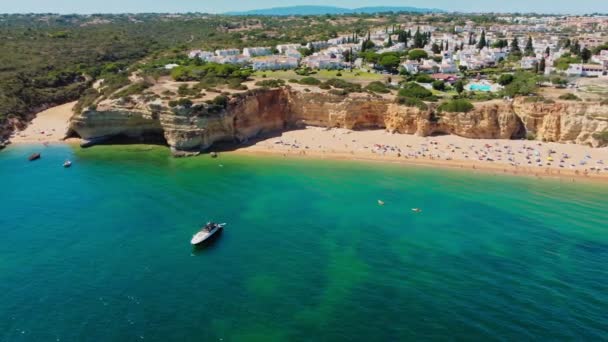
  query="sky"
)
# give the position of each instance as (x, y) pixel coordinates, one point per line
(219, 6)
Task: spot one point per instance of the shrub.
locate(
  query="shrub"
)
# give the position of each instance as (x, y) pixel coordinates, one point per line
(309, 81)
(456, 106)
(377, 87)
(412, 102)
(181, 102)
(293, 80)
(569, 97)
(220, 101)
(424, 78)
(338, 74)
(342, 84)
(325, 86)
(524, 83)
(416, 91)
(236, 84)
(602, 137)
(604, 103)
(270, 83)
(530, 136)
(439, 85)
(505, 79)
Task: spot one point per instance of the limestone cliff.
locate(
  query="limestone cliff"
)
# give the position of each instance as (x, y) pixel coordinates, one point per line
(263, 111)
(564, 121)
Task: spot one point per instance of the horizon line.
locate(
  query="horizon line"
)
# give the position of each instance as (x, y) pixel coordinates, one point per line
(235, 13)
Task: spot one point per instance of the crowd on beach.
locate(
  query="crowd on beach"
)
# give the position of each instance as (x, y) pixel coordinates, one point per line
(531, 156)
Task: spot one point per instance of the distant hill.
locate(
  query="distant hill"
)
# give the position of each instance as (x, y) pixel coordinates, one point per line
(320, 10)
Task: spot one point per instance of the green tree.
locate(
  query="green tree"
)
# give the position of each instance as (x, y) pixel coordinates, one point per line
(482, 41)
(529, 50)
(417, 54)
(542, 65)
(459, 86)
(505, 79)
(435, 48)
(575, 48)
(515, 46)
(418, 39)
(389, 62)
(585, 55)
(439, 85)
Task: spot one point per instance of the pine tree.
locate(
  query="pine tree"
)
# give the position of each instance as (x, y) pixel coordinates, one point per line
(459, 86)
(482, 40)
(418, 39)
(542, 66)
(575, 48)
(585, 55)
(435, 48)
(515, 46)
(529, 50)
(390, 41)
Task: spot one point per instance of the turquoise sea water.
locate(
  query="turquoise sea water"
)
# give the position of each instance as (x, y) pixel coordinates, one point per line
(100, 252)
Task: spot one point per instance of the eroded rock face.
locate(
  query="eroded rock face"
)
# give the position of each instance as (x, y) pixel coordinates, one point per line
(270, 110)
(564, 121)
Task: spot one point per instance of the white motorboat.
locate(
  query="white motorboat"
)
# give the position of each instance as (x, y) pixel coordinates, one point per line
(208, 231)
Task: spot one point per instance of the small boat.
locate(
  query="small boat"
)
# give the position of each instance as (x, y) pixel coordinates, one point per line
(34, 156)
(67, 164)
(417, 210)
(208, 230)
(380, 202)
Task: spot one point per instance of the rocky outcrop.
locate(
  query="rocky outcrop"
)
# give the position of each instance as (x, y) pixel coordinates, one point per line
(564, 121)
(262, 111)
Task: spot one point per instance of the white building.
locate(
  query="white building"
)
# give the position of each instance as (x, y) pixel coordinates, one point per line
(227, 52)
(204, 55)
(275, 62)
(411, 67)
(395, 48)
(588, 70)
(324, 62)
(283, 48)
(257, 51)
(529, 62)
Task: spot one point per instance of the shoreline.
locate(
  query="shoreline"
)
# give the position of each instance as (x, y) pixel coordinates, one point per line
(536, 159)
(49, 126)
(469, 167)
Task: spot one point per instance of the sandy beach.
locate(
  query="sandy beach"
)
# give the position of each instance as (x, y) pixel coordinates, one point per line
(517, 157)
(48, 126)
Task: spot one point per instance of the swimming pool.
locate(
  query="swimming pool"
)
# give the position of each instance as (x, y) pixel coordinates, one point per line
(480, 87)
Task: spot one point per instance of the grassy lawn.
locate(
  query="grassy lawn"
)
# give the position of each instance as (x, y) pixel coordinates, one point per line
(347, 75)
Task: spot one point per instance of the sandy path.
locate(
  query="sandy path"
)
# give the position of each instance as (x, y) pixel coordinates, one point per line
(50, 125)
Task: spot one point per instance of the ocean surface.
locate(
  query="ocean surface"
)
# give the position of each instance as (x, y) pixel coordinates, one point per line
(100, 251)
